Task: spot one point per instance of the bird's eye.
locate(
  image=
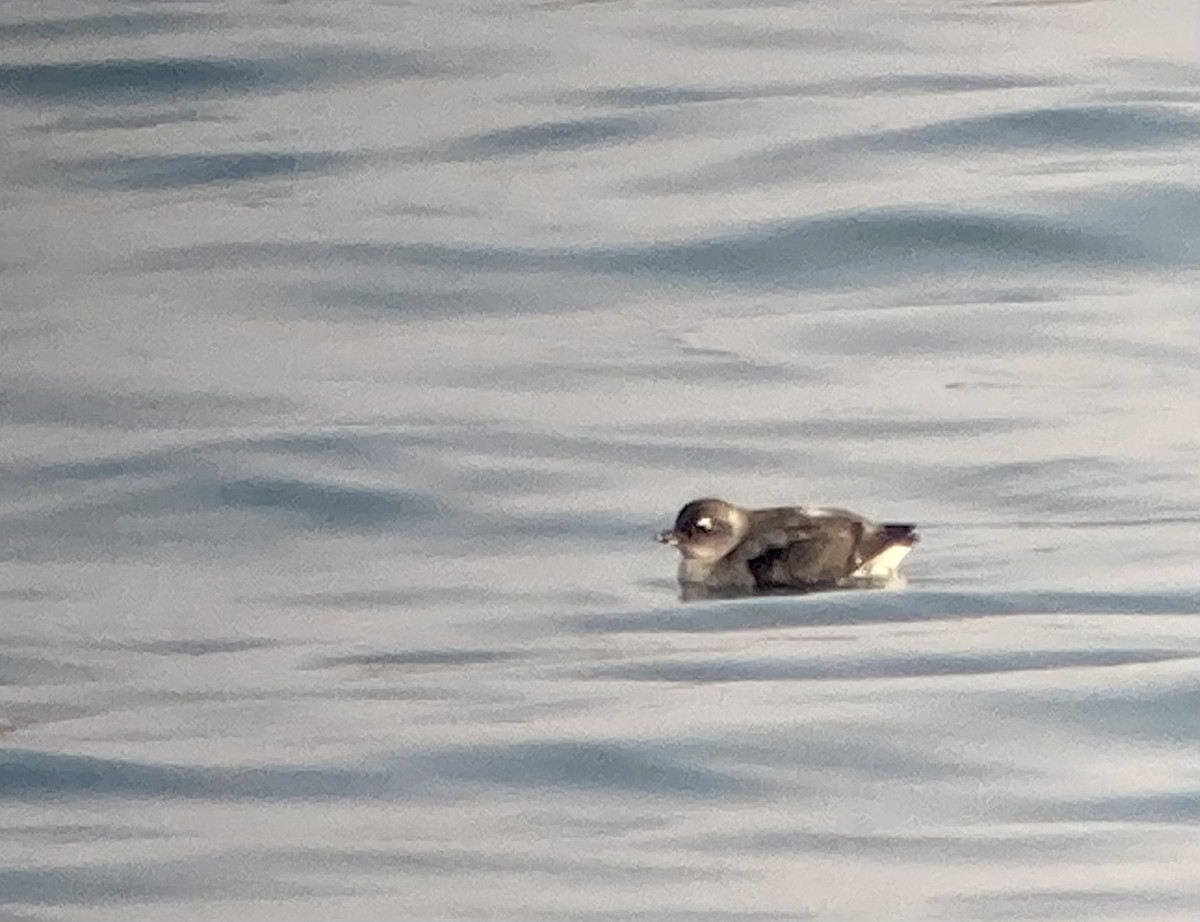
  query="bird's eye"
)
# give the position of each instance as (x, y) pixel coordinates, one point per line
(704, 524)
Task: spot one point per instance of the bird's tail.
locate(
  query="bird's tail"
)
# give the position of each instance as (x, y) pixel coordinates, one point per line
(888, 547)
(899, 534)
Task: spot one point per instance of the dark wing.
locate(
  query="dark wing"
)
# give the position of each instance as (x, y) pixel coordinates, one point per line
(788, 549)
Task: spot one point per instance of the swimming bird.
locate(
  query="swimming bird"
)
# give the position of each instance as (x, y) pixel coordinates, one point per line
(731, 550)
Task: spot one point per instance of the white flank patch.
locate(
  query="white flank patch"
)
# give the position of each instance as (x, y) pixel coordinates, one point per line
(884, 563)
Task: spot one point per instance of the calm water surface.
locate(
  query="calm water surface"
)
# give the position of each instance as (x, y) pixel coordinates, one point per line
(351, 354)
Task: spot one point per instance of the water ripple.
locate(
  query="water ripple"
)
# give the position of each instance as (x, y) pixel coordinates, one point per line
(121, 25)
(180, 171)
(872, 607)
(402, 658)
(882, 667)
(542, 136)
(1098, 128)
(29, 774)
(863, 245)
(641, 96)
(329, 505)
(141, 79)
(1063, 903)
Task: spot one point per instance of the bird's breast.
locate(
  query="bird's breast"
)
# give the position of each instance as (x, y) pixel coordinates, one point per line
(694, 570)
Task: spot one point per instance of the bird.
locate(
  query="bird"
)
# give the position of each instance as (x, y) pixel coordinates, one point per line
(728, 550)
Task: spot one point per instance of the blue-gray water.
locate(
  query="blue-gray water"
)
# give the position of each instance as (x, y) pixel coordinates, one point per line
(350, 355)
